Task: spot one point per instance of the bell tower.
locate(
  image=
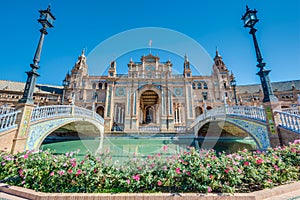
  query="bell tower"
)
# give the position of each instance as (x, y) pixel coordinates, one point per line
(187, 72)
(112, 71)
(221, 78)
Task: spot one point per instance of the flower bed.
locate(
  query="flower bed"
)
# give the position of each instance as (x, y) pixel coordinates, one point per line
(190, 171)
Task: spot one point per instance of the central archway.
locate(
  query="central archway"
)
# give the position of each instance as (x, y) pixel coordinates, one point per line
(149, 106)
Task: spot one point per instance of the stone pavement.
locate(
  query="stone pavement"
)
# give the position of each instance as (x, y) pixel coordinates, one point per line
(288, 196)
(4, 196)
(285, 192)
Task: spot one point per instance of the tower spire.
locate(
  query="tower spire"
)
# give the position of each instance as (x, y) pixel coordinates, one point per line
(217, 52)
(186, 59)
(82, 52)
(150, 45)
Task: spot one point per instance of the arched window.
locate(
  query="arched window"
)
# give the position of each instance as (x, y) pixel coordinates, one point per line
(199, 86)
(205, 86)
(193, 86)
(204, 95)
(100, 85)
(94, 86)
(208, 108)
(100, 111)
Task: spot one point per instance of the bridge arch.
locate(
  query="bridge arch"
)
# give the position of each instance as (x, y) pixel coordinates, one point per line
(256, 130)
(40, 130)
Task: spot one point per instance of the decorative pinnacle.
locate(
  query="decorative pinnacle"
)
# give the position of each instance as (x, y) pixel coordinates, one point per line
(247, 8)
(186, 58)
(217, 51)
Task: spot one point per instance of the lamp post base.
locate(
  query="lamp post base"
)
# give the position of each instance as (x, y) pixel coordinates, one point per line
(29, 87)
(266, 86)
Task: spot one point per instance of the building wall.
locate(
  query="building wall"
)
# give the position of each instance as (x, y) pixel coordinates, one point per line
(287, 92)
(177, 99)
(11, 92)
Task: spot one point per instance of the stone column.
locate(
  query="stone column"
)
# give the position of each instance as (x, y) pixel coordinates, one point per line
(119, 114)
(179, 114)
(122, 117)
(176, 119)
(115, 113)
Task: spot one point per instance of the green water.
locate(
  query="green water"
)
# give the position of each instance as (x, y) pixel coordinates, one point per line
(120, 148)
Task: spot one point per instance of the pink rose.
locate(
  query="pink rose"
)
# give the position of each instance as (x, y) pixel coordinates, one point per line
(209, 189)
(136, 177)
(165, 148)
(159, 183)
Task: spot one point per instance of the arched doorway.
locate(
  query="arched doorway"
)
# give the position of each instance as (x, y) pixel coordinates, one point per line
(149, 105)
(198, 111)
(100, 111)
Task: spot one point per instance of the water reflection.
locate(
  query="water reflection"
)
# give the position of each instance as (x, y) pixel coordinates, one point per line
(121, 147)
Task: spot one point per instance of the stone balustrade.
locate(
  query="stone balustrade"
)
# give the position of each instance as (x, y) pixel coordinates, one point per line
(243, 111)
(99, 118)
(288, 121)
(6, 109)
(247, 111)
(180, 129)
(293, 110)
(85, 112)
(149, 129)
(44, 112)
(8, 120)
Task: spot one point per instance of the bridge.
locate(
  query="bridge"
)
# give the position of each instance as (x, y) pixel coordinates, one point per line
(253, 121)
(27, 132)
(26, 129)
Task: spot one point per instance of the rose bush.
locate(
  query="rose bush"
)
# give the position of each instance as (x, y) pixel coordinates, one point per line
(192, 170)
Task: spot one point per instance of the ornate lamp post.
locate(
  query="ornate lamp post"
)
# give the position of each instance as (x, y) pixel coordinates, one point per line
(233, 85)
(26, 102)
(269, 101)
(46, 19)
(65, 84)
(250, 19)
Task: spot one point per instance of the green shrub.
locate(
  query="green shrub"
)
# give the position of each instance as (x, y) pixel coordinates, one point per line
(190, 171)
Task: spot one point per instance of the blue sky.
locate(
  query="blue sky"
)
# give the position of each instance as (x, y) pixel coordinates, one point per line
(85, 24)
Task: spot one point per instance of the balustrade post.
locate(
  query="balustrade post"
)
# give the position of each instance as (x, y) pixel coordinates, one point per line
(272, 124)
(23, 122)
(73, 110)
